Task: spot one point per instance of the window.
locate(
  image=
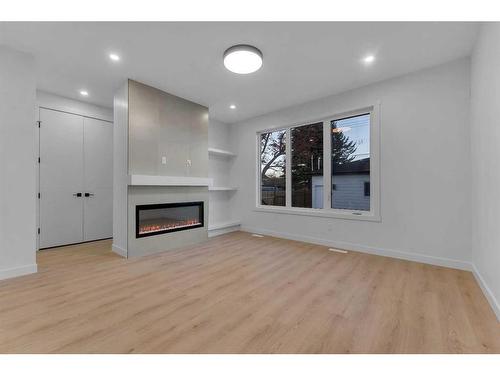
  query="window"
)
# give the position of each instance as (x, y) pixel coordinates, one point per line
(307, 166)
(273, 168)
(323, 168)
(351, 162)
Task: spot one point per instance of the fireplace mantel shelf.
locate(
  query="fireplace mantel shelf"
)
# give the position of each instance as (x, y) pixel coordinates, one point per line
(152, 180)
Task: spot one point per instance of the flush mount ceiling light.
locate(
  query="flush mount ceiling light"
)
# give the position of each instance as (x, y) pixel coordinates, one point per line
(84, 93)
(368, 59)
(243, 59)
(232, 106)
(114, 57)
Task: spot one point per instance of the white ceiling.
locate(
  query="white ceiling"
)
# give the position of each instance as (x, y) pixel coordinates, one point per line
(302, 61)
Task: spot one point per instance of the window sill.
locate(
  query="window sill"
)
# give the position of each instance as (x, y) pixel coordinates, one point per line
(335, 214)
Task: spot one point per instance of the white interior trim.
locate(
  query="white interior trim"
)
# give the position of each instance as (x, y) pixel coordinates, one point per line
(320, 212)
(495, 305)
(224, 225)
(118, 250)
(421, 258)
(18, 271)
(223, 230)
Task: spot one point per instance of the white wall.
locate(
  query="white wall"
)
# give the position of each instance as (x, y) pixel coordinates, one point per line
(120, 171)
(425, 170)
(218, 135)
(47, 100)
(17, 164)
(485, 149)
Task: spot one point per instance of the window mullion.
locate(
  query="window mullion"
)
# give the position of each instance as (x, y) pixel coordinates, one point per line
(258, 172)
(288, 169)
(327, 165)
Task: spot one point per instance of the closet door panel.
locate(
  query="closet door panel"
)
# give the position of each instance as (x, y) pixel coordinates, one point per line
(98, 179)
(98, 215)
(61, 177)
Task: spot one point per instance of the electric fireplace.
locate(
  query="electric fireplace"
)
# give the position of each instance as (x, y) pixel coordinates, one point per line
(154, 219)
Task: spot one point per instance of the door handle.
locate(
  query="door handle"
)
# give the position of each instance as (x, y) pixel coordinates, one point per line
(77, 194)
(89, 194)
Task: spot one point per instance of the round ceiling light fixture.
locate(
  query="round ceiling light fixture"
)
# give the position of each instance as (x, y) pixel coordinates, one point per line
(368, 59)
(114, 57)
(243, 59)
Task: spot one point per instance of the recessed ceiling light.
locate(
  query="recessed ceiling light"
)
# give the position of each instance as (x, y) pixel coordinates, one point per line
(243, 59)
(114, 57)
(84, 93)
(232, 106)
(368, 59)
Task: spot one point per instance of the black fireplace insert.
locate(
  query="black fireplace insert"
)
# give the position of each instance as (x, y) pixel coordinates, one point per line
(154, 219)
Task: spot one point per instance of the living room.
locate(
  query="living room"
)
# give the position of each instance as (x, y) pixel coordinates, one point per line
(249, 187)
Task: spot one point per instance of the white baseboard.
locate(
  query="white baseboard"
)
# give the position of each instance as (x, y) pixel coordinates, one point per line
(220, 231)
(487, 291)
(421, 258)
(18, 271)
(120, 251)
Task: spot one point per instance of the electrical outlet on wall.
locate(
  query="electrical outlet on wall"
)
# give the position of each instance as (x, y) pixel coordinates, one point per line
(164, 160)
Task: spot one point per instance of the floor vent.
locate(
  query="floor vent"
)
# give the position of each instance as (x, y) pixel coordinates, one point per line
(338, 250)
(257, 235)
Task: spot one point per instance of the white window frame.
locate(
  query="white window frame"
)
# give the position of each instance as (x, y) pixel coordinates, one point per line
(373, 214)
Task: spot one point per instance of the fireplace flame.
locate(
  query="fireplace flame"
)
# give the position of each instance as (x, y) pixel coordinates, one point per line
(149, 228)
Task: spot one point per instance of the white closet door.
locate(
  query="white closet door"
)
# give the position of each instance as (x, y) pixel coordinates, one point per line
(61, 178)
(98, 172)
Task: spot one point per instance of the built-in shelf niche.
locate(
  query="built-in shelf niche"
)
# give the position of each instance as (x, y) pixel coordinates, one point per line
(222, 191)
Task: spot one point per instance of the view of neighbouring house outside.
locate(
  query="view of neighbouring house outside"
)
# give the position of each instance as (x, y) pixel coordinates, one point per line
(273, 168)
(351, 163)
(350, 157)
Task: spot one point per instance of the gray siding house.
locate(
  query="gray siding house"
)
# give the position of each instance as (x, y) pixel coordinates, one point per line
(351, 186)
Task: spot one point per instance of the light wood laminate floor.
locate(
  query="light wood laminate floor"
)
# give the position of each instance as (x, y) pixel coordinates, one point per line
(241, 294)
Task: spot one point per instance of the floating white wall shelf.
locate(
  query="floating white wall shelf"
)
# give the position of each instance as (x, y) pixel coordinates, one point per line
(222, 188)
(150, 180)
(220, 152)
